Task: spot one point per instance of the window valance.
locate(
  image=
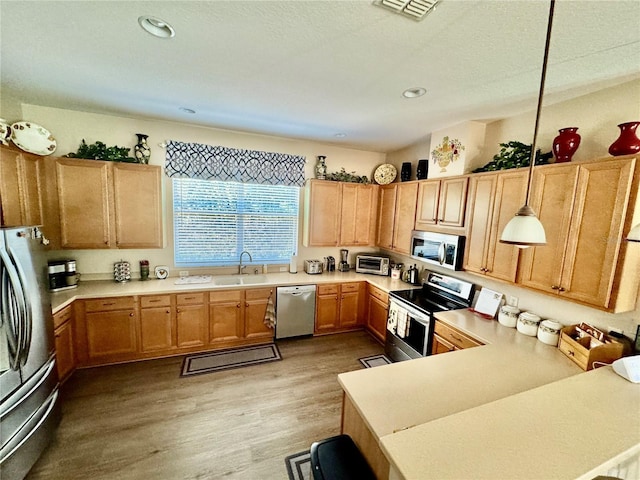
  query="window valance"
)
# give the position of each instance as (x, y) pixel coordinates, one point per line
(208, 162)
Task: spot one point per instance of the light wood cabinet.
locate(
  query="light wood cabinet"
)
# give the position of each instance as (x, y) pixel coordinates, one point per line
(256, 300)
(64, 343)
(237, 316)
(377, 312)
(339, 214)
(338, 306)
(156, 323)
(21, 188)
(494, 199)
(448, 339)
(192, 320)
(582, 208)
(396, 216)
(442, 203)
(108, 204)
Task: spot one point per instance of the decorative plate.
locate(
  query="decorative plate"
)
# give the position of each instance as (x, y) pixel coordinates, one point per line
(33, 138)
(385, 174)
(161, 272)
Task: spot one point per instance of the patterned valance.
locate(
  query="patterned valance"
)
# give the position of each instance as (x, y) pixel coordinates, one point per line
(208, 162)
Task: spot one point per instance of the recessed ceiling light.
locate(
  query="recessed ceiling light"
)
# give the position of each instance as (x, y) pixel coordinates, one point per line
(414, 92)
(187, 110)
(340, 135)
(156, 27)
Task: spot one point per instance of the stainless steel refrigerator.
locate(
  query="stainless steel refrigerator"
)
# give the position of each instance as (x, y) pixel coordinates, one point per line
(29, 407)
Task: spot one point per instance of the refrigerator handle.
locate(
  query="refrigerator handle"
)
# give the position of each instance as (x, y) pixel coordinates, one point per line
(17, 305)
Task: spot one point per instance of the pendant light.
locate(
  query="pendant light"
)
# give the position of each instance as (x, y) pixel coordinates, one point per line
(634, 234)
(525, 230)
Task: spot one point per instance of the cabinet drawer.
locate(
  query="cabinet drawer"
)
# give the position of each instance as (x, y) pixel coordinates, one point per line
(62, 316)
(350, 287)
(330, 289)
(190, 298)
(225, 296)
(458, 339)
(258, 293)
(379, 294)
(114, 303)
(155, 301)
(574, 351)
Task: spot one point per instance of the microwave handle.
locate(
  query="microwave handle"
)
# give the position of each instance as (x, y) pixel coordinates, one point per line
(441, 253)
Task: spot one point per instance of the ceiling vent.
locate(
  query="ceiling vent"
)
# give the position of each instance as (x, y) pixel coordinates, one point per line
(415, 9)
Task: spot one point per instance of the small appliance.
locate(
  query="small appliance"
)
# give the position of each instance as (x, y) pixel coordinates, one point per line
(62, 275)
(438, 249)
(374, 264)
(331, 264)
(344, 260)
(313, 267)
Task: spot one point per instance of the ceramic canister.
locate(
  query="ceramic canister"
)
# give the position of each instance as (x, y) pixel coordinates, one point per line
(549, 332)
(508, 316)
(528, 323)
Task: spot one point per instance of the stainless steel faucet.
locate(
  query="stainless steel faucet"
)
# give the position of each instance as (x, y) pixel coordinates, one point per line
(241, 266)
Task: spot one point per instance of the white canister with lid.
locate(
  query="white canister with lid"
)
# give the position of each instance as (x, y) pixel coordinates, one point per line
(549, 332)
(508, 316)
(528, 323)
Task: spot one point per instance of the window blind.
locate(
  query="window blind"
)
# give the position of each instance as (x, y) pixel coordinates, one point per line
(215, 221)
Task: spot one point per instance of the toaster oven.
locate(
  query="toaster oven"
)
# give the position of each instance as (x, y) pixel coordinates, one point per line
(374, 264)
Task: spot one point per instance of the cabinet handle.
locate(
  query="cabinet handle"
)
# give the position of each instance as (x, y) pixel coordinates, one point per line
(554, 287)
(561, 289)
(189, 298)
(131, 314)
(238, 305)
(246, 304)
(178, 310)
(571, 353)
(455, 338)
(155, 300)
(168, 311)
(106, 304)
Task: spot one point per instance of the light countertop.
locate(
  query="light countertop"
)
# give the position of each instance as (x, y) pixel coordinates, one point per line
(106, 288)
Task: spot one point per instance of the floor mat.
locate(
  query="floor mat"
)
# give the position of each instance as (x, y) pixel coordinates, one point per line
(226, 359)
(374, 361)
(299, 466)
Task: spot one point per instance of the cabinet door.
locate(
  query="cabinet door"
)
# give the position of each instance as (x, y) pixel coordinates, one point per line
(327, 307)
(85, 203)
(595, 235)
(386, 215)
(377, 318)
(348, 315)
(322, 213)
(65, 356)
(480, 211)
(502, 258)
(440, 345)
(191, 325)
(255, 308)
(111, 335)
(405, 216)
(453, 202)
(21, 188)
(12, 212)
(552, 195)
(225, 316)
(138, 205)
(427, 210)
(155, 329)
(358, 214)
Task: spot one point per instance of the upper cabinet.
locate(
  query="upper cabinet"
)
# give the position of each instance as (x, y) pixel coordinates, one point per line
(583, 208)
(494, 198)
(21, 188)
(108, 204)
(396, 216)
(339, 214)
(441, 204)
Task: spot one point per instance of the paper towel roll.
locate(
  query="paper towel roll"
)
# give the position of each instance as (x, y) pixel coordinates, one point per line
(293, 264)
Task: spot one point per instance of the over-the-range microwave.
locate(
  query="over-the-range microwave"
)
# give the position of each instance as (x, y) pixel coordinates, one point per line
(438, 249)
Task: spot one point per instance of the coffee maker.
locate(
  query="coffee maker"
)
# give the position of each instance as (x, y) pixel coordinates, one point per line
(62, 275)
(344, 260)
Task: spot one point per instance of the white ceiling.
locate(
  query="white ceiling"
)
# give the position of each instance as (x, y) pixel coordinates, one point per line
(311, 69)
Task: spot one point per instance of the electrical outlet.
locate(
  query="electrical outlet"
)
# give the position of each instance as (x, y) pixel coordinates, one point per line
(513, 301)
(283, 269)
(184, 273)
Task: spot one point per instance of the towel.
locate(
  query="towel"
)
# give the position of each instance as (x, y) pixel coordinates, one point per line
(403, 324)
(270, 314)
(392, 319)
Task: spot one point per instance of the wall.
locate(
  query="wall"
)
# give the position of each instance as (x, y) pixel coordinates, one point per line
(70, 127)
(597, 116)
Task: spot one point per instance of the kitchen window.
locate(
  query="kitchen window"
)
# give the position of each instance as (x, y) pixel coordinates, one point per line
(214, 221)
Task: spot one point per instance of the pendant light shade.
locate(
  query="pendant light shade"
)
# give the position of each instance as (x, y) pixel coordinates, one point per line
(525, 230)
(634, 234)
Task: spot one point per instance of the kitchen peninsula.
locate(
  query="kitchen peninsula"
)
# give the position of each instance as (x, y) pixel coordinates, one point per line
(513, 408)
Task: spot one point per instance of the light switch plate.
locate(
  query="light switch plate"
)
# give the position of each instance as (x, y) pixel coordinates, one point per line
(184, 273)
(513, 301)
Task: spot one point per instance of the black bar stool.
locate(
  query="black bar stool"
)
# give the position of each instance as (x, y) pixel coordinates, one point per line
(338, 458)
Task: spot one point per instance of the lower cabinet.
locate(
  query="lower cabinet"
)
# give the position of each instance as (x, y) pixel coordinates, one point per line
(64, 343)
(339, 306)
(377, 310)
(156, 323)
(448, 339)
(237, 317)
(192, 321)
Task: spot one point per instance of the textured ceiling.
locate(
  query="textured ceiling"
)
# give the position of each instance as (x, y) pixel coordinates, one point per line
(311, 69)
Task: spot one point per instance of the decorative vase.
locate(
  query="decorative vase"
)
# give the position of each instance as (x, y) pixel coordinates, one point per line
(321, 168)
(142, 150)
(405, 172)
(566, 144)
(5, 132)
(423, 169)
(628, 142)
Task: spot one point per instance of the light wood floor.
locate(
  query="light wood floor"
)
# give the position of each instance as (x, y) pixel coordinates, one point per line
(142, 421)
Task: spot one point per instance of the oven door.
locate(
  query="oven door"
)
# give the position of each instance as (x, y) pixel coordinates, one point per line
(415, 343)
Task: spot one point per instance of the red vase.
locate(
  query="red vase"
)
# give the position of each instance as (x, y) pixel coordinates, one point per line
(566, 144)
(628, 142)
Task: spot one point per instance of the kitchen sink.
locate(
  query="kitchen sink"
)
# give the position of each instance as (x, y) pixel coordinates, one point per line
(224, 280)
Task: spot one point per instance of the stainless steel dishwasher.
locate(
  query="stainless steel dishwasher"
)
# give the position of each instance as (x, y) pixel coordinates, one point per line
(295, 311)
